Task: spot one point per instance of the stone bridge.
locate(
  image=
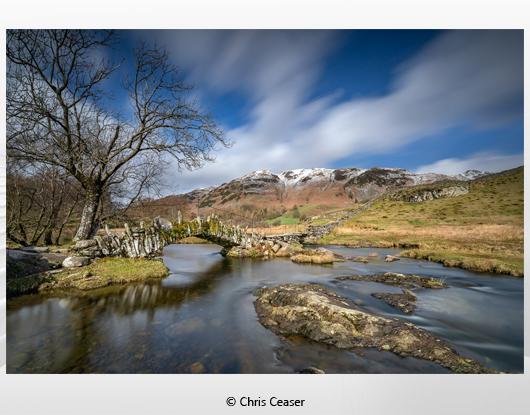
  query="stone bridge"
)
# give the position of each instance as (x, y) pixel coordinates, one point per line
(148, 241)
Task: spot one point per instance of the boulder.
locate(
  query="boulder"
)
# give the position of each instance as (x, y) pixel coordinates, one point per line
(391, 258)
(314, 312)
(76, 261)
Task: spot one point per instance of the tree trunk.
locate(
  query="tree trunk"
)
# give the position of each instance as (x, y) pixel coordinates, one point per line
(48, 237)
(89, 224)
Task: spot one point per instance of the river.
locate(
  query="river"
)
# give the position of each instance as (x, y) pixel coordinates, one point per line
(201, 319)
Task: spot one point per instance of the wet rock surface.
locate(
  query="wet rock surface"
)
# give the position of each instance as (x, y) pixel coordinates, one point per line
(405, 301)
(321, 315)
(400, 280)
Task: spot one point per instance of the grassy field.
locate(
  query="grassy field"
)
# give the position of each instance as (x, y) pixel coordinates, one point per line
(482, 230)
(298, 214)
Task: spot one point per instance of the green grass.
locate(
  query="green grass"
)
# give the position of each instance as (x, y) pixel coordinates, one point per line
(296, 215)
(481, 230)
(108, 271)
(283, 220)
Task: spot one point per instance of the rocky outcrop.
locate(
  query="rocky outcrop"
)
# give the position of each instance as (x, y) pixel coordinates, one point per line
(319, 314)
(396, 279)
(423, 195)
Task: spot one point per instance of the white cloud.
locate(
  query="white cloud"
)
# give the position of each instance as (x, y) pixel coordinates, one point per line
(488, 162)
(472, 78)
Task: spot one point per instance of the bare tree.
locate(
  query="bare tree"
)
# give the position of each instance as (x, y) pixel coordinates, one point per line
(40, 201)
(57, 117)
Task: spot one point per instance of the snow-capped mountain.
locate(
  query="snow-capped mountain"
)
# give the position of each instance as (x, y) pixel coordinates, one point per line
(330, 187)
(470, 175)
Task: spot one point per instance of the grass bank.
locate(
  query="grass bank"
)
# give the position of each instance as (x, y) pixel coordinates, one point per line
(100, 273)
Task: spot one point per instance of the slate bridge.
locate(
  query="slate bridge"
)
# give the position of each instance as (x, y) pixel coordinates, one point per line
(148, 241)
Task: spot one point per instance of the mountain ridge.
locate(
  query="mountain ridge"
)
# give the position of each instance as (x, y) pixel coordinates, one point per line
(264, 194)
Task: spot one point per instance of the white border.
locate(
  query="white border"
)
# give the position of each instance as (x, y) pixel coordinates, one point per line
(361, 394)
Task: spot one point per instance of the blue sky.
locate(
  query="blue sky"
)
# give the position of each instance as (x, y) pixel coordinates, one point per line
(424, 100)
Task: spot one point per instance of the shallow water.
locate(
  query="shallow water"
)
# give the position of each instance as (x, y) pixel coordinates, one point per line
(202, 319)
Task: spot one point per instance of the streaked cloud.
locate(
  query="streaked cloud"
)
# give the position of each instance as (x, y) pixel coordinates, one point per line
(464, 78)
(490, 162)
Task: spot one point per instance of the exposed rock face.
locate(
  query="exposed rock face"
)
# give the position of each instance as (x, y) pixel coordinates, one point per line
(321, 315)
(76, 261)
(431, 194)
(405, 301)
(401, 280)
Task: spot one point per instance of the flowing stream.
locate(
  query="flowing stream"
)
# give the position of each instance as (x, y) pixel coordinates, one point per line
(201, 319)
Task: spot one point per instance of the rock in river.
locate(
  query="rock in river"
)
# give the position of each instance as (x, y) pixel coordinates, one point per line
(401, 280)
(391, 258)
(315, 256)
(405, 301)
(319, 314)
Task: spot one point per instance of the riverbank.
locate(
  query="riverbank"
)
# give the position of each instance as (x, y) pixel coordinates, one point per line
(479, 231)
(102, 272)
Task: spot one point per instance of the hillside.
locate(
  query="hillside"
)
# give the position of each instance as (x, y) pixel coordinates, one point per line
(266, 198)
(479, 230)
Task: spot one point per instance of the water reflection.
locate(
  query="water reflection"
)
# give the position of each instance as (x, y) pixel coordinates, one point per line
(201, 319)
